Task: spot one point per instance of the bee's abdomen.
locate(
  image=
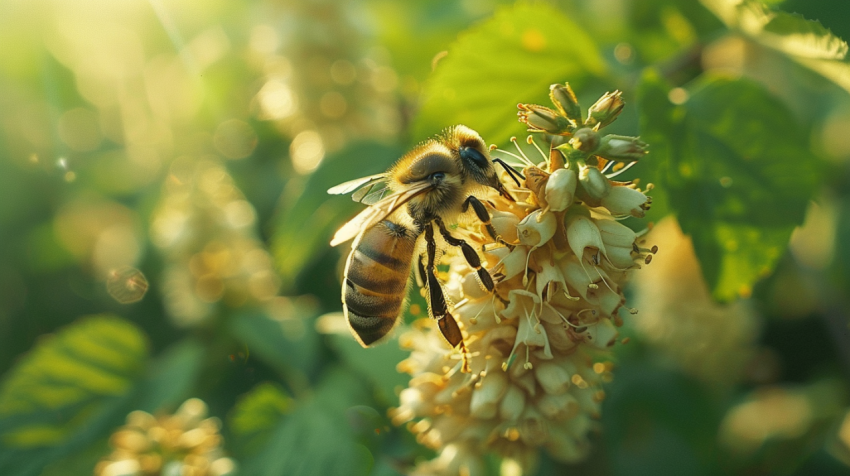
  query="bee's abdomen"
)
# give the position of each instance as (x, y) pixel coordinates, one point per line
(376, 279)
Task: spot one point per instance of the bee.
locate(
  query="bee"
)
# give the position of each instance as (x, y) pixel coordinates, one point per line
(430, 186)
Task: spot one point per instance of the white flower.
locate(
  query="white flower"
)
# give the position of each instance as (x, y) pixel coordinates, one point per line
(624, 201)
(561, 189)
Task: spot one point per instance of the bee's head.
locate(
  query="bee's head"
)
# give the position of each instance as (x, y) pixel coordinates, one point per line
(475, 157)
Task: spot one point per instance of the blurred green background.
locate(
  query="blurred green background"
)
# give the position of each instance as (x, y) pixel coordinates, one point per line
(164, 225)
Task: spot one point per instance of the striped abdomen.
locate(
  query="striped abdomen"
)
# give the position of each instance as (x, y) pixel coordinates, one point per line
(376, 279)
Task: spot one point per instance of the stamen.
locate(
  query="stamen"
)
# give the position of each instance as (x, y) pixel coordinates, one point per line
(507, 364)
(627, 167)
(493, 307)
(592, 285)
(530, 140)
(591, 311)
(570, 296)
(603, 280)
(524, 157)
(525, 275)
(567, 321)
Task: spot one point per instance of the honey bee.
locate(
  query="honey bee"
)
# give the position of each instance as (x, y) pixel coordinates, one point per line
(430, 186)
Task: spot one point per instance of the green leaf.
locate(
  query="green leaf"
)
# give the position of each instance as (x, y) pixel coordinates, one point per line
(736, 170)
(511, 58)
(805, 41)
(256, 414)
(316, 438)
(309, 215)
(290, 346)
(171, 377)
(67, 377)
(377, 363)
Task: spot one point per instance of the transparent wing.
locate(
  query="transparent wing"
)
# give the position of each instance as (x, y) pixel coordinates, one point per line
(375, 195)
(352, 185)
(377, 212)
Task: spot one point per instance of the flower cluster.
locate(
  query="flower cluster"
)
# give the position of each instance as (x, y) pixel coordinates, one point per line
(538, 346)
(205, 229)
(185, 443)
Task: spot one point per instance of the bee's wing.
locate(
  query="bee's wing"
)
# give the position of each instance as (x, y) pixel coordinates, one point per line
(352, 185)
(377, 212)
(371, 195)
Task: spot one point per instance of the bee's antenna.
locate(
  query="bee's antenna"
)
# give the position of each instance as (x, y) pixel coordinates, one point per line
(513, 173)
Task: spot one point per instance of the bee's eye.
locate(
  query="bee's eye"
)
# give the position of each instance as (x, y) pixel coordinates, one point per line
(469, 154)
(436, 177)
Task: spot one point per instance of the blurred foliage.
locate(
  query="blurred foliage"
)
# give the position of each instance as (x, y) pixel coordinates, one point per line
(194, 142)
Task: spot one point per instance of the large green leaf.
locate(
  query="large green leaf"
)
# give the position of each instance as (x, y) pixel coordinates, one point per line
(736, 170)
(804, 41)
(67, 377)
(510, 58)
(256, 414)
(71, 390)
(316, 439)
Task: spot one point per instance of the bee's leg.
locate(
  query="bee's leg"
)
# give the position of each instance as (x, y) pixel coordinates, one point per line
(468, 253)
(483, 215)
(419, 273)
(437, 300)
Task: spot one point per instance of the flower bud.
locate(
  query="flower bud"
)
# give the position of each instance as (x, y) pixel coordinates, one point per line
(514, 263)
(505, 224)
(619, 242)
(561, 189)
(594, 182)
(485, 399)
(561, 406)
(513, 404)
(542, 119)
(621, 201)
(622, 148)
(615, 233)
(536, 228)
(549, 273)
(605, 110)
(564, 99)
(553, 377)
(582, 233)
(603, 334)
(577, 277)
(533, 428)
(585, 140)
